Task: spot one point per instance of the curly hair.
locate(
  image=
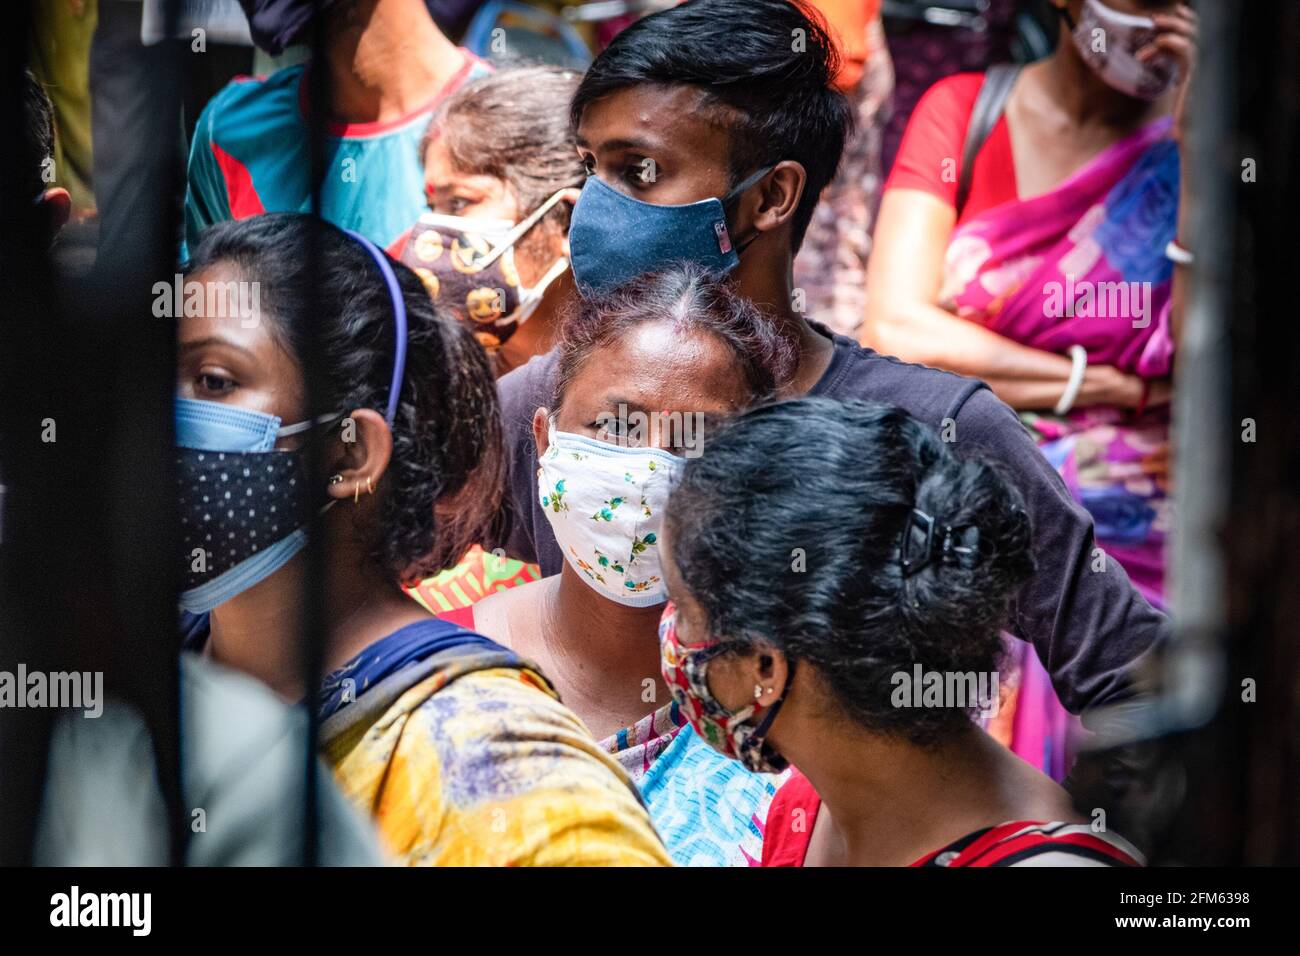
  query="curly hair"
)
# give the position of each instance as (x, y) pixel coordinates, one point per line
(805, 556)
(447, 431)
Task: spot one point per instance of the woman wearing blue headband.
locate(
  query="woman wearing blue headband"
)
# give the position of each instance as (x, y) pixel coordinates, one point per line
(459, 748)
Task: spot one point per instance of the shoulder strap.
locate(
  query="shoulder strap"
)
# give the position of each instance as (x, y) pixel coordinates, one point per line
(989, 104)
(462, 652)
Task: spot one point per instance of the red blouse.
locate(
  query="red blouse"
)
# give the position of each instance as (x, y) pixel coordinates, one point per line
(930, 153)
(793, 813)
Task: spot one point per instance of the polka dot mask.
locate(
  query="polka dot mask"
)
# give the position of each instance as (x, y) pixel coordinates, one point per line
(243, 504)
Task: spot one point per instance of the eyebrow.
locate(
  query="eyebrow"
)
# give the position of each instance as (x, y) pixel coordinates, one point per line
(612, 402)
(613, 145)
(213, 340)
(451, 185)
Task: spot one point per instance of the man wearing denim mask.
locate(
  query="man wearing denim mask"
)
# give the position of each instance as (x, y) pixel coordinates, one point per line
(680, 109)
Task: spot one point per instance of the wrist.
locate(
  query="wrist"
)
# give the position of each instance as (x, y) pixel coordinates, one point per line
(1107, 385)
(1074, 384)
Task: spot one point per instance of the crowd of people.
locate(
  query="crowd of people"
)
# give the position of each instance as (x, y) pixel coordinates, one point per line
(659, 480)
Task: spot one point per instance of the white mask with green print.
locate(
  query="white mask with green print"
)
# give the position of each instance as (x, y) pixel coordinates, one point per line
(606, 506)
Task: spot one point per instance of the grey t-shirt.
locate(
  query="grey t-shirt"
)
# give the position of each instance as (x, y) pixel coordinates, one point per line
(244, 786)
(1089, 627)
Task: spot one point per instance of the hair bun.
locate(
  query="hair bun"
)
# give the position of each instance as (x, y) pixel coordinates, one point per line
(981, 536)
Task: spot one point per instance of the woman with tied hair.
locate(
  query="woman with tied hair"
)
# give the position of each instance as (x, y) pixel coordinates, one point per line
(645, 372)
(501, 174)
(457, 747)
(828, 561)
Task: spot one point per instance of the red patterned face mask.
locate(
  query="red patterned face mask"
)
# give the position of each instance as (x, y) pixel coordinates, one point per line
(735, 735)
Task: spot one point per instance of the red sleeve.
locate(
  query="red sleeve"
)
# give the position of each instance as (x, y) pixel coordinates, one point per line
(930, 153)
(790, 820)
(931, 146)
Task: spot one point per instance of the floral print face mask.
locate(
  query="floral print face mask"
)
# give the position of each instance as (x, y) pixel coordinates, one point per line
(736, 735)
(606, 506)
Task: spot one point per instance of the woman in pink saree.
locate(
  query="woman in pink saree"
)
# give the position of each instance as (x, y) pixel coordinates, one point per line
(1058, 281)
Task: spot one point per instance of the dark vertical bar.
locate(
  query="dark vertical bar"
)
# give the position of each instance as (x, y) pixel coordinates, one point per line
(88, 568)
(314, 623)
(27, 634)
(1239, 561)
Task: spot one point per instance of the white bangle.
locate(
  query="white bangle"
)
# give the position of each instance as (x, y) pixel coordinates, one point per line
(1178, 254)
(1079, 358)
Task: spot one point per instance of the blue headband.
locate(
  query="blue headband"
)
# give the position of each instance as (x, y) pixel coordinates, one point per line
(399, 321)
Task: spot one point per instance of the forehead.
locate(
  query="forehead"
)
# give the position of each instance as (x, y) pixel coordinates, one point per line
(658, 117)
(216, 289)
(657, 366)
(441, 169)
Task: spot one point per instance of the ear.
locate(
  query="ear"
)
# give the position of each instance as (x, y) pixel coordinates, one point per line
(779, 197)
(757, 676)
(569, 196)
(361, 454)
(58, 204)
(771, 672)
(541, 430)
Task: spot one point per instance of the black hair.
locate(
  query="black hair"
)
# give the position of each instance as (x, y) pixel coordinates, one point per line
(772, 61)
(787, 531)
(694, 300)
(447, 432)
(38, 138)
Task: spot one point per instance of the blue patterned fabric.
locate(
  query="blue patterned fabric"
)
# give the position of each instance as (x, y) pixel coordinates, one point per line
(709, 810)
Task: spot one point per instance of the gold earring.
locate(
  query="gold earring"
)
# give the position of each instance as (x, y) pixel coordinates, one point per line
(356, 492)
(369, 490)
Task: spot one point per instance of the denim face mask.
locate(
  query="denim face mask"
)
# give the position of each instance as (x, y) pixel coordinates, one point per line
(243, 504)
(614, 238)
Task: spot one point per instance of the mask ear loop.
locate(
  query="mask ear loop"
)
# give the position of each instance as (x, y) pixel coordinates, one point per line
(399, 322)
(774, 708)
(325, 419)
(515, 234)
(734, 193)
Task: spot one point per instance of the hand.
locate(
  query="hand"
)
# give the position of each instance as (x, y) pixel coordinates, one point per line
(1175, 40)
(1107, 385)
(1162, 392)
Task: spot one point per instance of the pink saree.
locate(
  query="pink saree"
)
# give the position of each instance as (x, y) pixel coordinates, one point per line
(1084, 264)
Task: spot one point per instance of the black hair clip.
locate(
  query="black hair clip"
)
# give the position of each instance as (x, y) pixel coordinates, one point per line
(921, 546)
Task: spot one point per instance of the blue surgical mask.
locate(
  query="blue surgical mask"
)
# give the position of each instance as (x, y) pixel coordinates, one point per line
(243, 504)
(614, 238)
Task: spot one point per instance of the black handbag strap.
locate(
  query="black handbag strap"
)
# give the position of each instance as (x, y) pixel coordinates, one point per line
(989, 104)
